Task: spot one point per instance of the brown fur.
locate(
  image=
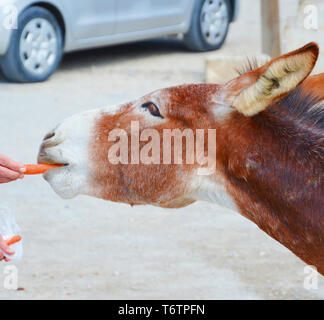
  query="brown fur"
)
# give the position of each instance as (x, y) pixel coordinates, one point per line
(275, 174)
(272, 163)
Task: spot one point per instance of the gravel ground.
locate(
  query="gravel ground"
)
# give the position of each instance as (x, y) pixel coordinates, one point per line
(87, 248)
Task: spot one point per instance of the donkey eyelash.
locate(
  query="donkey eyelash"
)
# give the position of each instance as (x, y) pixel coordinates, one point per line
(153, 109)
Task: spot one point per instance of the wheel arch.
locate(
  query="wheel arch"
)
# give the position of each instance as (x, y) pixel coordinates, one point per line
(234, 9)
(55, 11)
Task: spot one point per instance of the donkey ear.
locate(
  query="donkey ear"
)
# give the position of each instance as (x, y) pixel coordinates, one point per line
(253, 91)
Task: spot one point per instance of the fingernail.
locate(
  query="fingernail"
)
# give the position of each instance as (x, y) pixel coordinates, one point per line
(22, 170)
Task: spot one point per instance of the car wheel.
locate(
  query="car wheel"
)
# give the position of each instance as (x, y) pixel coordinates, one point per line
(35, 48)
(209, 25)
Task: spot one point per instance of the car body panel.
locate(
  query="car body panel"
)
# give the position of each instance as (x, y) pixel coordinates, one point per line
(93, 19)
(141, 19)
(133, 16)
(236, 7)
(95, 23)
(5, 32)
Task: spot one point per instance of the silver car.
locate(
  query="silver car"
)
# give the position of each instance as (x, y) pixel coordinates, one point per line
(35, 34)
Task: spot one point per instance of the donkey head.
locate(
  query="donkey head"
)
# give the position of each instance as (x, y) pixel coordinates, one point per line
(134, 153)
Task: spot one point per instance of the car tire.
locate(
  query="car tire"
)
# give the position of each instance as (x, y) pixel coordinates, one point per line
(36, 47)
(209, 25)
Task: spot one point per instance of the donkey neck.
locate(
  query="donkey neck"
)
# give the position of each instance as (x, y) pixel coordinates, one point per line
(277, 183)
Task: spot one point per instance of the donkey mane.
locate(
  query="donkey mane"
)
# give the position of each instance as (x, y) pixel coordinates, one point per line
(306, 108)
(297, 120)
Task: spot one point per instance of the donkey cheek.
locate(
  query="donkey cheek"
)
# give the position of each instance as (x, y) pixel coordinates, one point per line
(62, 184)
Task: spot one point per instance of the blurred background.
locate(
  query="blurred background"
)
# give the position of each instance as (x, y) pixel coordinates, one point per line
(87, 248)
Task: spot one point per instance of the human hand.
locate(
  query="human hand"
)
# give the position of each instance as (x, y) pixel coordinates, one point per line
(10, 170)
(6, 249)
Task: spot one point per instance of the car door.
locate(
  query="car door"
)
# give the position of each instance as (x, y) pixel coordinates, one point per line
(139, 15)
(93, 18)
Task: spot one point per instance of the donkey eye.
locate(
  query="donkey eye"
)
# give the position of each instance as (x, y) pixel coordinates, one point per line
(152, 108)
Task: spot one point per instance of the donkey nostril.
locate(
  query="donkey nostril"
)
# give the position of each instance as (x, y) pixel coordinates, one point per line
(49, 136)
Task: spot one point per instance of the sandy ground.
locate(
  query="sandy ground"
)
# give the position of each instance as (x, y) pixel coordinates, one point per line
(86, 248)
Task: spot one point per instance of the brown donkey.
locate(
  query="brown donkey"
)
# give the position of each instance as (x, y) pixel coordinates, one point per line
(267, 126)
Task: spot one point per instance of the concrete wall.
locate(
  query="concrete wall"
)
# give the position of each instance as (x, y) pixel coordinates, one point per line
(221, 68)
(299, 29)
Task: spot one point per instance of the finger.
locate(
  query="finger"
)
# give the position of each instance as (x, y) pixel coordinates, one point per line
(5, 248)
(11, 164)
(3, 257)
(6, 173)
(4, 180)
(10, 180)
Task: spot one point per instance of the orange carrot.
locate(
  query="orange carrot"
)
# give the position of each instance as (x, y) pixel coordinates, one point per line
(40, 168)
(13, 240)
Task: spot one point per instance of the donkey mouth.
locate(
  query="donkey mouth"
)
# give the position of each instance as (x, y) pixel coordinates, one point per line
(44, 157)
(60, 179)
